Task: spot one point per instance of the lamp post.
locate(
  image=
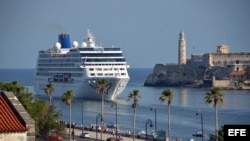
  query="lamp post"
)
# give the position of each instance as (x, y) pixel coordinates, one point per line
(200, 113)
(148, 121)
(115, 118)
(97, 117)
(82, 117)
(73, 131)
(153, 107)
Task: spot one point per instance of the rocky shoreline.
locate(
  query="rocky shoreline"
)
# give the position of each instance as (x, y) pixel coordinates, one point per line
(191, 75)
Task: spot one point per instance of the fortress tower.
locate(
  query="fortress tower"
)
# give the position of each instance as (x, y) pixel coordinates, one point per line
(182, 49)
(222, 49)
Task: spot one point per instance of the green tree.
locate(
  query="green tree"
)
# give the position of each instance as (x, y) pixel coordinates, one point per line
(167, 95)
(38, 109)
(14, 87)
(49, 89)
(102, 84)
(134, 95)
(214, 95)
(67, 97)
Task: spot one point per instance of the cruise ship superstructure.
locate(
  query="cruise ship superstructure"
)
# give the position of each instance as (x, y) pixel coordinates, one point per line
(70, 67)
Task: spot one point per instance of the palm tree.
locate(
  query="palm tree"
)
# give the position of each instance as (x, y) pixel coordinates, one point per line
(101, 85)
(67, 98)
(214, 95)
(49, 89)
(168, 95)
(134, 95)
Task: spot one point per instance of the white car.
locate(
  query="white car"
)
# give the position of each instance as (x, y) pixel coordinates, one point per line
(84, 135)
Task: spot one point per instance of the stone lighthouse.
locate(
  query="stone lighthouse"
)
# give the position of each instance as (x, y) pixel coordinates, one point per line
(182, 49)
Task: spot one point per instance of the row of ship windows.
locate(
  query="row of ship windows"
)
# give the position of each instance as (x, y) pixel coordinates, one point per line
(96, 49)
(104, 60)
(72, 65)
(108, 74)
(61, 69)
(53, 74)
(79, 69)
(106, 69)
(82, 55)
(58, 60)
(105, 49)
(84, 60)
(101, 55)
(56, 65)
(103, 64)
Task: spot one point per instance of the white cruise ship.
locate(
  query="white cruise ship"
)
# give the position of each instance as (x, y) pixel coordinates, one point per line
(70, 67)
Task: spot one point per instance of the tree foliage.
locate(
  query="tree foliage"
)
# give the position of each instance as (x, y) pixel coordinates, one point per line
(135, 96)
(49, 89)
(220, 135)
(45, 116)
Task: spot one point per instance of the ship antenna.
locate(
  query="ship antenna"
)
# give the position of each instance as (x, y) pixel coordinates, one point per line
(90, 39)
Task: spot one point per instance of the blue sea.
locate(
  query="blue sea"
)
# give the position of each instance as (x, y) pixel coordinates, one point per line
(186, 103)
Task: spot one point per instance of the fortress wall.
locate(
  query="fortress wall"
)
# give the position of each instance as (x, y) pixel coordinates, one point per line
(224, 59)
(221, 83)
(232, 58)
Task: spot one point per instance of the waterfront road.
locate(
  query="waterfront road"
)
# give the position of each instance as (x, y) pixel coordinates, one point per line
(92, 134)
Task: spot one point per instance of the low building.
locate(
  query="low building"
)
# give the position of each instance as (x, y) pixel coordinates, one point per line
(238, 77)
(15, 123)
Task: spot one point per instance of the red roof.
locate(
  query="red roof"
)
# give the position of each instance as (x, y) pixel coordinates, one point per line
(238, 73)
(9, 121)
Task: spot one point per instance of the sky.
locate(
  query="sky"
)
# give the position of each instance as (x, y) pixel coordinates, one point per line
(146, 30)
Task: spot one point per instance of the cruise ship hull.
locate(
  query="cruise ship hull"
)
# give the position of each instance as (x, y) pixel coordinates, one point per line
(86, 89)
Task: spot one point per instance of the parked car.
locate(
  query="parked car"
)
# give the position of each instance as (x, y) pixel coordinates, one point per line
(53, 136)
(84, 135)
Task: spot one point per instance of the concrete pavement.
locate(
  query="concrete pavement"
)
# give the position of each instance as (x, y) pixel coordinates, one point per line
(104, 135)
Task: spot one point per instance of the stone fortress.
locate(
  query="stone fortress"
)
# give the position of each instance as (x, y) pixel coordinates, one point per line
(220, 69)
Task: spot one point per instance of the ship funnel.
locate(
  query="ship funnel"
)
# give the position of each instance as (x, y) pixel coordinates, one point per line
(64, 40)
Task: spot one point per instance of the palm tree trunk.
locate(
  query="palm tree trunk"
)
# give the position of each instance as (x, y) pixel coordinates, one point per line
(216, 123)
(102, 115)
(70, 122)
(134, 125)
(169, 123)
(50, 99)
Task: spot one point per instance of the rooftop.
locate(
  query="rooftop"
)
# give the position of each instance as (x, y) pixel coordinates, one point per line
(10, 119)
(237, 73)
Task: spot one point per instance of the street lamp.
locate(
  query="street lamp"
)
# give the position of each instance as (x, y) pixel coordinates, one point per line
(115, 118)
(148, 121)
(197, 114)
(73, 131)
(153, 107)
(82, 117)
(97, 117)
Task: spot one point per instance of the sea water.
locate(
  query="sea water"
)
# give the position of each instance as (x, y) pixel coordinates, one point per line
(186, 103)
